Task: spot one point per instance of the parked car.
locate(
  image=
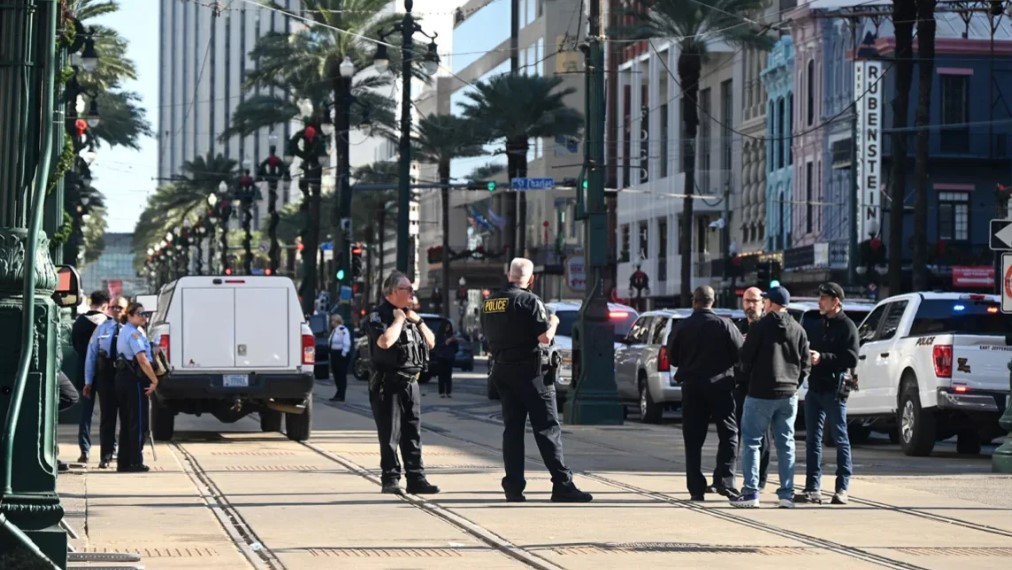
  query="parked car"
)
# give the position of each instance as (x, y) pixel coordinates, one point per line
(320, 325)
(235, 345)
(643, 374)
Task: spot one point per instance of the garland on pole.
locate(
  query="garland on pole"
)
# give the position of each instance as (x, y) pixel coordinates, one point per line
(436, 254)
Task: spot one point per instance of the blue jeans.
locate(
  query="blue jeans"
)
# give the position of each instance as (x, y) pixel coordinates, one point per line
(758, 416)
(822, 408)
(84, 428)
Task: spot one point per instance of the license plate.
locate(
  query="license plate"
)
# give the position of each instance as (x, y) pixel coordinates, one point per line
(235, 381)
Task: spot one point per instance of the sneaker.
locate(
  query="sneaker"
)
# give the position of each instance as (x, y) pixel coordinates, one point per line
(730, 493)
(570, 494)
(786, 504)
(422, 487)
(83, 458)
(392, 488)
(809, 496)
(104, 464)
(746, 501)
(840, 497)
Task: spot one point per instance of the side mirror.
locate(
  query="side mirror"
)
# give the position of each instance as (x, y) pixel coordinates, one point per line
(68, 287)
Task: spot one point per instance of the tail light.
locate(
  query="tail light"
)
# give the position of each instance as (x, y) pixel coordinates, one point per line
(941, 355)
(662, 360)
(163, 344)
(308, 349)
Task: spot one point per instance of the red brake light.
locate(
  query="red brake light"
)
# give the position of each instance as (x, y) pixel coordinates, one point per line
(618, 314)
(973, 297)
(959, 389)
(662, 360)
(941, 356)
(163, 344)
(308, 350)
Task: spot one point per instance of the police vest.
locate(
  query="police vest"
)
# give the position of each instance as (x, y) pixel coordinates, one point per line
(509, 325)
(408, 355)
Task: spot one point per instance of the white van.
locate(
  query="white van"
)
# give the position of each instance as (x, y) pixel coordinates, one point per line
(235, 345)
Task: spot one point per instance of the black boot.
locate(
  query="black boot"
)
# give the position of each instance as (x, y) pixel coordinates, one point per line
(422, 487)
(570, 494)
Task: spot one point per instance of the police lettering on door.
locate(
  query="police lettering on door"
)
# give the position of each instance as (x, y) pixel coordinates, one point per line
(496, 305)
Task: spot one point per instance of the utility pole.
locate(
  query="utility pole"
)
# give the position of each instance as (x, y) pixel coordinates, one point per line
(595, 398)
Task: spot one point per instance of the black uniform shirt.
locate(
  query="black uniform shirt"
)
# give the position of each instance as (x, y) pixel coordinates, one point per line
(513, 319)
(407, 355)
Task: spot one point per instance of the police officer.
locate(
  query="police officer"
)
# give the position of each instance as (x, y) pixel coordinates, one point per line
(399, 342)
(515, 321)
(100, 378)
(135, 381)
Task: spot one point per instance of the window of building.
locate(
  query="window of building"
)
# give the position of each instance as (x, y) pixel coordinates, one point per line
(953, 216)
(662, 250)
(781, 130)
(705, 133)
(624, 253)
(809, 190)
(532, 12)
(540, 55)
(811, 91)
(955, 111)
(644, 241)
(664, 137)
(771, 150)
(788, 140)
(727, 116)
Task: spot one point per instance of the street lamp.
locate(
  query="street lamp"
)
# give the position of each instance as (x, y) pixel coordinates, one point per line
(309, 147)
(247, 193)
(407, 27)
(273, 169)
(89, 57)
(93, 117)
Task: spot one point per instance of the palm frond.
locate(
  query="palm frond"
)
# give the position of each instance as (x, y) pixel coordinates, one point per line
(257, 112)
(124, 120)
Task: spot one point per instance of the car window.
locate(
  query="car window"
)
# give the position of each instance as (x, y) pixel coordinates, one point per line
(566, 321)
(959, 316)
(856, 315)
(869, 328)
(622, 321)
(660, 335)
(892, 319)
(435, 323)
(796, 314)
(810, 320)
(639, 330)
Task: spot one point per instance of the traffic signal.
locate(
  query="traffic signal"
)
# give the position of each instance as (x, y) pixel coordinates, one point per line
(762, 272)
(339, 264)
(356, 262)
(489, 185)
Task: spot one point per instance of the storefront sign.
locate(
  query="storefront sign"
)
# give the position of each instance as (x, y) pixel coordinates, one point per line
(868, 88)
(980, 276)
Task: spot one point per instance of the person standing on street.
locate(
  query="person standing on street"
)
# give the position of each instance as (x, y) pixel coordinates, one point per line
(80, 336)
(704, 348)
(516, 323)
(398, 343)
(752, 304)
(774, 362)
(340, 349)
(442, 358)
(100, 378)
(135, 383)
(834, 346)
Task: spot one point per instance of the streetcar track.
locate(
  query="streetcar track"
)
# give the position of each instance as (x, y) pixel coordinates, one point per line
(241, 533)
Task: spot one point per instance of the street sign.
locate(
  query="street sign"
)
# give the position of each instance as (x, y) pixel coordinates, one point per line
(1001, 235)
(1006, 283)
(522, 184)
(576, 273)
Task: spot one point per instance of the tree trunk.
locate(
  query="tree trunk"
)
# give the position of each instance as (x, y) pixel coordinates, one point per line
(444, 179)
(926, 71)
(509, 202)
(311, 243)
(521, 162)
(381, 226)
(904, 13)
(689, 66)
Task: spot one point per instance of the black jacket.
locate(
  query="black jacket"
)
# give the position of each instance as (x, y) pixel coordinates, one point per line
(835, 339)
(704, 347)
(81, 331)
(774, 358)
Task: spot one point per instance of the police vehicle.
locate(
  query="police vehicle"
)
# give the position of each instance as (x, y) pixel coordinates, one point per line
(235, 345)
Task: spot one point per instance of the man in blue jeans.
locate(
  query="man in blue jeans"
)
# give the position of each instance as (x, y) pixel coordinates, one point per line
(834, 346)
(774, 362)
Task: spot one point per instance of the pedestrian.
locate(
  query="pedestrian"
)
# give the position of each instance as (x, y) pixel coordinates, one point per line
(398, 342)
(704, 348)
(752, 305)
(68, 397)
(442, 358)
(834, 345)
(80, 336)
(135, 383)
(100, 378)
(515, 323)
(340, 349)
(774, 361)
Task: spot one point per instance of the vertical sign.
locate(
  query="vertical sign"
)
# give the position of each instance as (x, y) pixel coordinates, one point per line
(868, 103)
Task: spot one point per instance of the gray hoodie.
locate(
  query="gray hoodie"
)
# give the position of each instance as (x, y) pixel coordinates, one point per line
(774, 358)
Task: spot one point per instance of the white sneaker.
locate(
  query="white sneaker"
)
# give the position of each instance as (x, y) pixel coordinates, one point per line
(786, 504)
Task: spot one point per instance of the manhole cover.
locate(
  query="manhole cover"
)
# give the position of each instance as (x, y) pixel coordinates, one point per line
(385, 552)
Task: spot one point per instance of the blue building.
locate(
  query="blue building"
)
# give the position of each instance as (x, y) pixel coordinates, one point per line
(778, 78)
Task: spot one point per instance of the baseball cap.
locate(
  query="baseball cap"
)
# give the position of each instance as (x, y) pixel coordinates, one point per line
(831, 289)
(778, 295)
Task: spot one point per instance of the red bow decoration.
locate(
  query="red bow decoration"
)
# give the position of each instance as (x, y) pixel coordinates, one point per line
(274, 161)
(81, 126)
(875, 244)
(310, 133)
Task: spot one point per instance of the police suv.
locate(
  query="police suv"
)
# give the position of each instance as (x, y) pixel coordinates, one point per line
(235, 345)
(935, 365)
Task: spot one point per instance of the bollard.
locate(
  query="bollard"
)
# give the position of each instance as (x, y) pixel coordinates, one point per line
(1001, 461)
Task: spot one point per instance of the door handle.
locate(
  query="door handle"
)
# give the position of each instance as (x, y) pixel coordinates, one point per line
(885, 355)
(862, 357)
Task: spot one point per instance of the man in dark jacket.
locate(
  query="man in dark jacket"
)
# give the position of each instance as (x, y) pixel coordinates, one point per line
(752, 305)
(704, 348)
(774, 360)
(80, 335)
(834, 347)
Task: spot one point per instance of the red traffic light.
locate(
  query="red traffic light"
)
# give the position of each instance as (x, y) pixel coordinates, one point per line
(228, 271)
(356, 249)
(268, 271)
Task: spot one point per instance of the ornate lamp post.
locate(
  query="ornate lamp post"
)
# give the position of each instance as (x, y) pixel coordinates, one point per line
(247, 194)
(211, 223)
(224, 213)
(273, 169)
(407, 27)
(309, 146)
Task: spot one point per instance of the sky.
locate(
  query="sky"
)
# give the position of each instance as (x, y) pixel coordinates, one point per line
(126, 176)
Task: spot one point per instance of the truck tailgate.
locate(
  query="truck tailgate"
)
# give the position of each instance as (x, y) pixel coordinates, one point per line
(208, 333)
(981, 362)
(263, 329)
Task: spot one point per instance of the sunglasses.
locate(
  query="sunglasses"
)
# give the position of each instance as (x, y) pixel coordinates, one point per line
(826, 290)
(408, 289)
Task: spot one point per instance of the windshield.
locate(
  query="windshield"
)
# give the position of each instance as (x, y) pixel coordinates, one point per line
(621, 320)
(960, 316)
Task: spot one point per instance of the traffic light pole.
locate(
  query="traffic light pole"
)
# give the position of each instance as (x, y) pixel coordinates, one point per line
(594, 397)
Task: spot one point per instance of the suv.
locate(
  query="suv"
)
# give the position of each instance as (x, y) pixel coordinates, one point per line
(642, 372)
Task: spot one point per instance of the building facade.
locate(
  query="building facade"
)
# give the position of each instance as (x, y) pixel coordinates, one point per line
(113, 271)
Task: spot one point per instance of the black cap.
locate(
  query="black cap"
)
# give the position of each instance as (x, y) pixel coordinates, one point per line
(832, 289)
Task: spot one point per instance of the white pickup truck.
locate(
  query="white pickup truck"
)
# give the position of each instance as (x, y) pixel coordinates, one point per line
(934, 365)
(235, 345)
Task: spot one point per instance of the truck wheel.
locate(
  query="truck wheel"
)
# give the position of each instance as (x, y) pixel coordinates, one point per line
(968, 443)
(650, 411)
(163, 421)
(270, 420)
(299, 426)
(360, 368)
(917, 427)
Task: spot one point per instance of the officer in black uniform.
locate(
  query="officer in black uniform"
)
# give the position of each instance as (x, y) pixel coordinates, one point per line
(515, 321)
(399, 341)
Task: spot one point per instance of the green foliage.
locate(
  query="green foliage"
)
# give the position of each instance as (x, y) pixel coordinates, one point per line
(123, 119)
(695, 25)
(441, 138)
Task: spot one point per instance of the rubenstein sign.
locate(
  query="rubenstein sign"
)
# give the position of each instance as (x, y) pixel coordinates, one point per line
(868, 86)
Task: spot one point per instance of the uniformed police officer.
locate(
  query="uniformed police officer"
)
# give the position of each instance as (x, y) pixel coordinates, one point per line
(135, 381)
(100, 378)
(515, 321)
(399, 342)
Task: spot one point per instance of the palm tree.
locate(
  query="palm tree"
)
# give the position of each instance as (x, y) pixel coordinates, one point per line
(926, 27)
(439, 140)
(485, 172)
(517, 108)
(695, 26)
(904, 13)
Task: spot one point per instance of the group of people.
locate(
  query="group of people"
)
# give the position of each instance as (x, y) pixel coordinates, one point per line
(116, 369)
(746, 380)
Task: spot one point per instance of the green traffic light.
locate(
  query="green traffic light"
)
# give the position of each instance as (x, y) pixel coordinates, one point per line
(491, 186)
(340, 274)
(774, 283)
(584, 184)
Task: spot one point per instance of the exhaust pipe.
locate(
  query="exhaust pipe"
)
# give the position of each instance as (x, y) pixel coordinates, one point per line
(286, 408)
